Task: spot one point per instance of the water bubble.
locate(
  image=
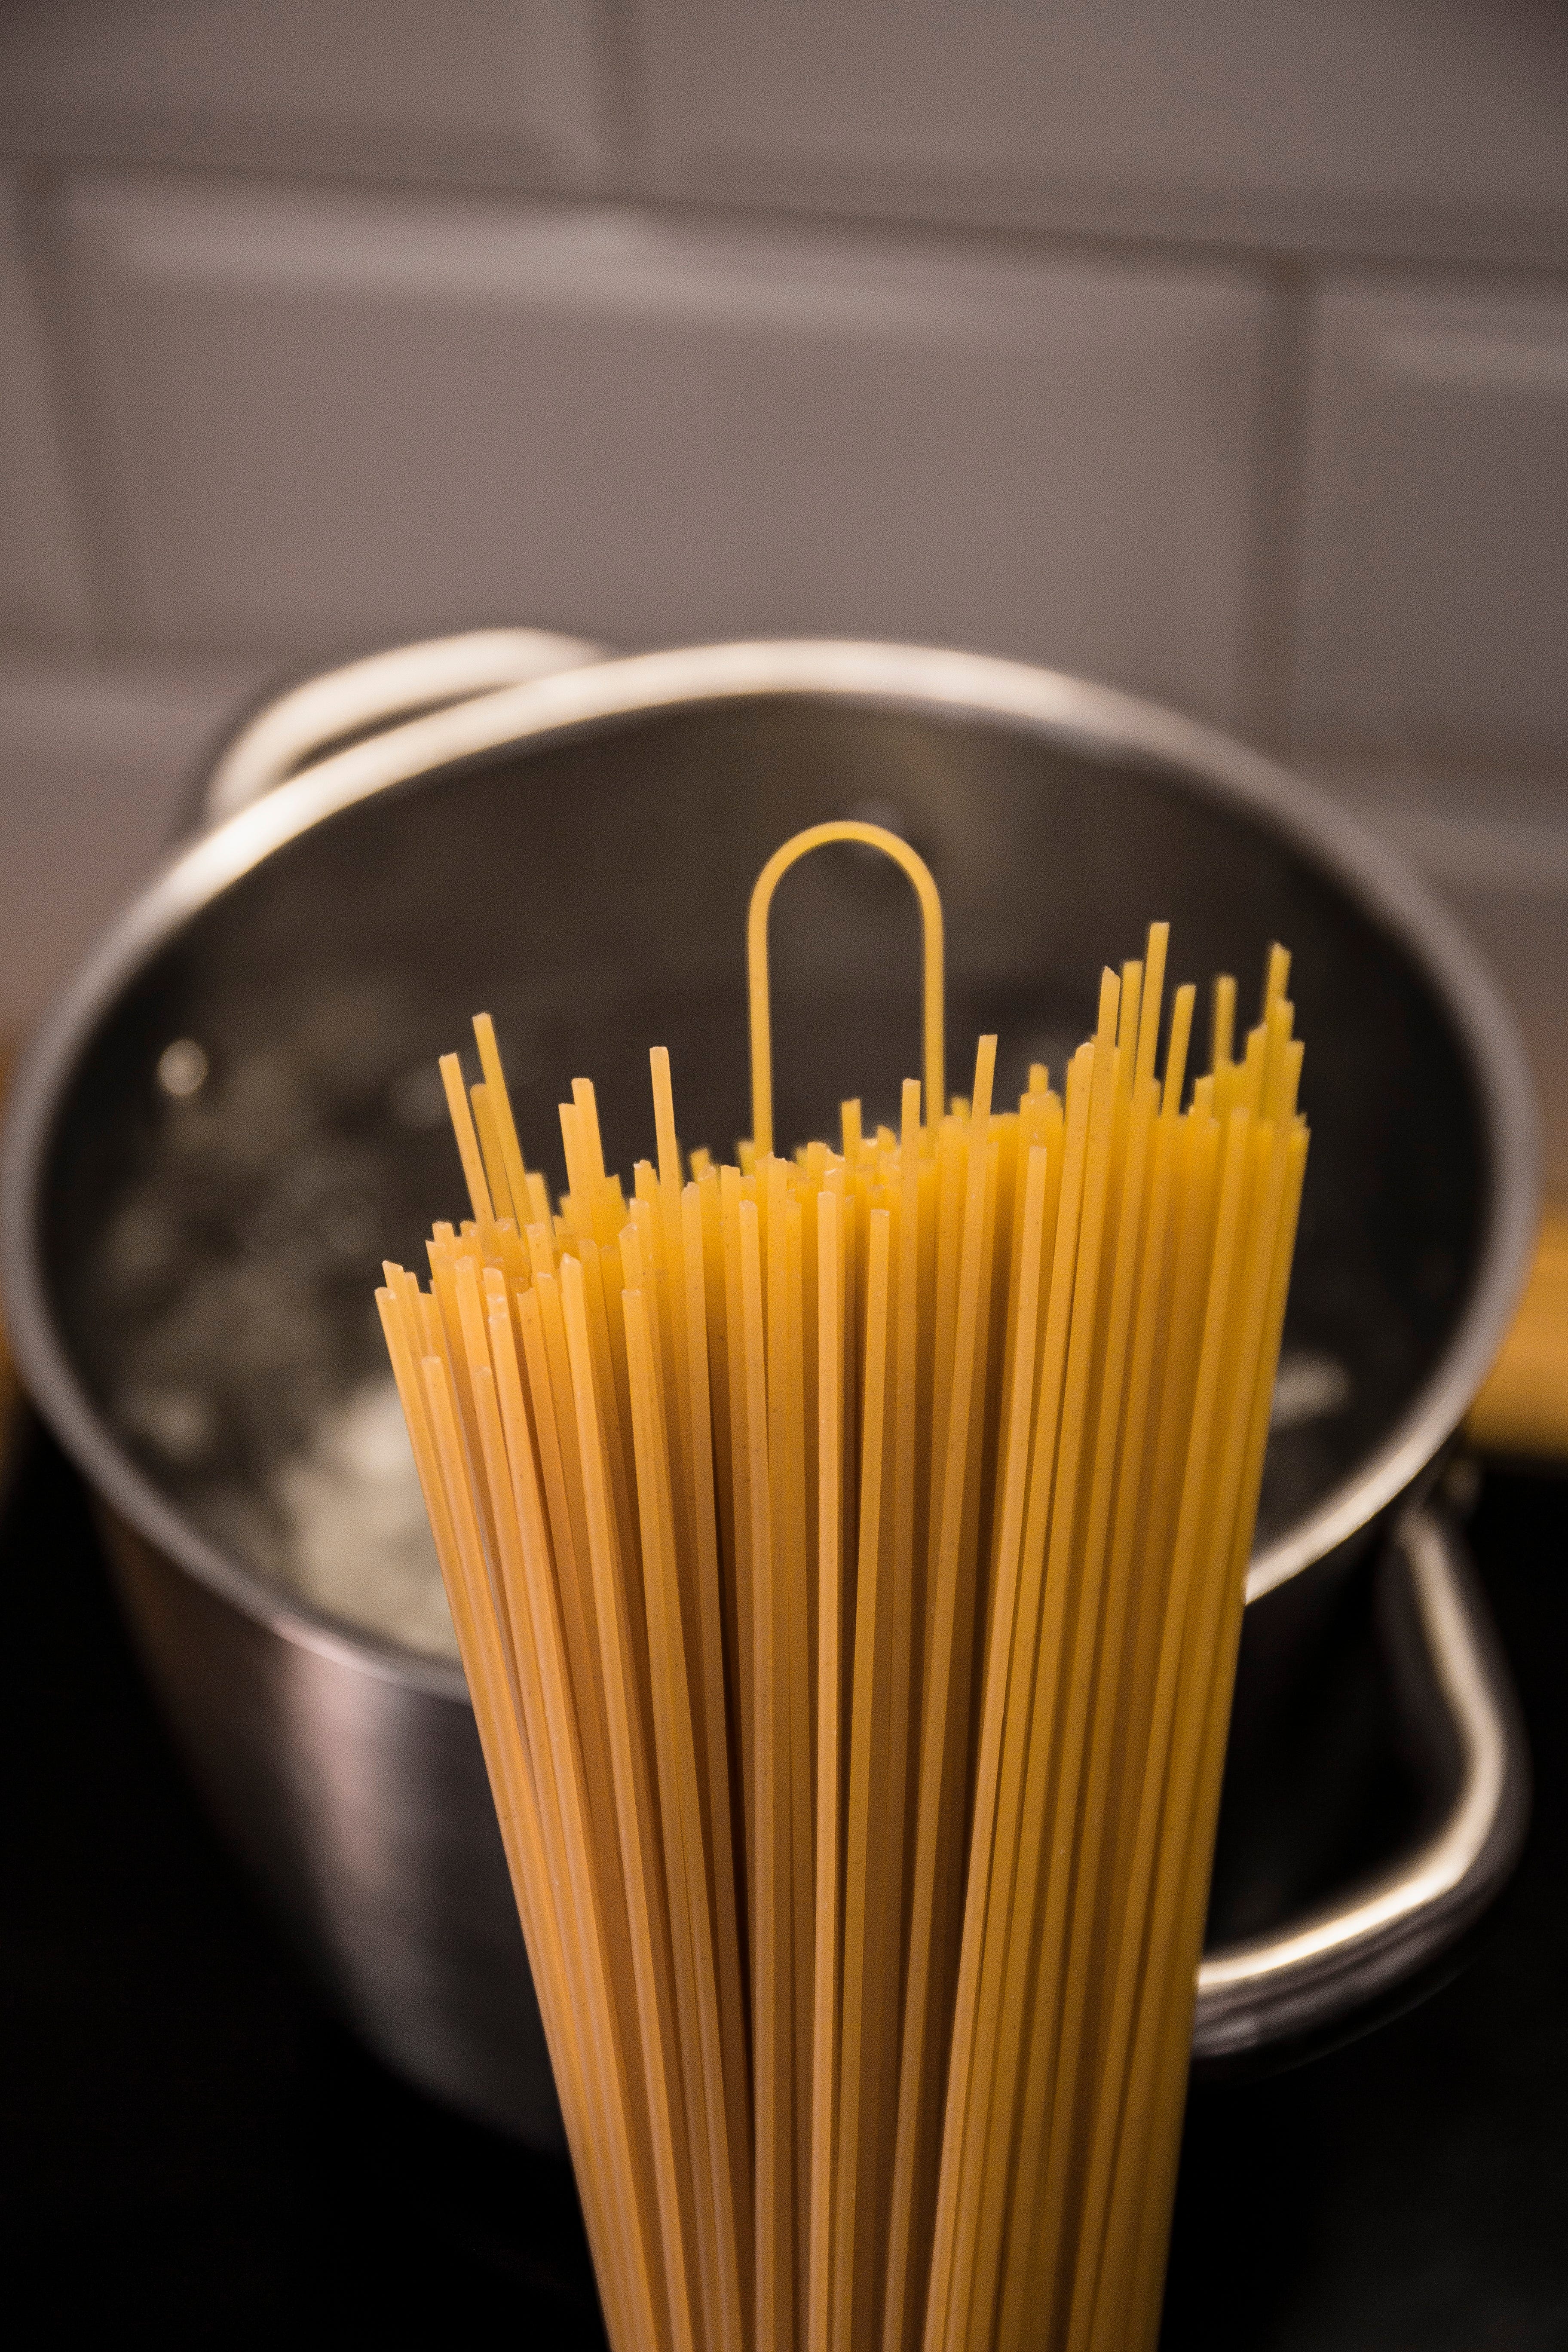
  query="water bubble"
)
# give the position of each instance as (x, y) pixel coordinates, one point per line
(182, 1068)
(419, 1098)
(1308, 1387)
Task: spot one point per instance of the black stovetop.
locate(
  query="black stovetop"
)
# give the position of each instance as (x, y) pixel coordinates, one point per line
(191, 2152)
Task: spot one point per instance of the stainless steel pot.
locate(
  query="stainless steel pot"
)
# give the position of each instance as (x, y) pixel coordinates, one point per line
(576, 852)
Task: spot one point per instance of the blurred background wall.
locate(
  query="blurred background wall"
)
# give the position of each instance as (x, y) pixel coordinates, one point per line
(1220, 350)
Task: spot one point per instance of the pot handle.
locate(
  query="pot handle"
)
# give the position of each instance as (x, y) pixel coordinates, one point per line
(325, 713)
(1319, 1969)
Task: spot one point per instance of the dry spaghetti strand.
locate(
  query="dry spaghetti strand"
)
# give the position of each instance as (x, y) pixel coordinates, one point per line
(847, 1557)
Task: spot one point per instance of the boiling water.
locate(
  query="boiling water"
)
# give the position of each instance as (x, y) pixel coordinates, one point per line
(356, 1540)
(238, 1352)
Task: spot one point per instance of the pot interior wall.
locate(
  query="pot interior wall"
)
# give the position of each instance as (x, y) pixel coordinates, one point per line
(219, 1248)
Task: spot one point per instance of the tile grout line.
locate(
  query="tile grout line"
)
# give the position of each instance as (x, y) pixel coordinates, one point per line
(95, 492)
(29, 184)
(1273, 556)
(627, 188)
(621, 96)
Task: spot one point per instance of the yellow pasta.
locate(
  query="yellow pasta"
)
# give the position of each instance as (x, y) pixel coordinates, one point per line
(847, 1557)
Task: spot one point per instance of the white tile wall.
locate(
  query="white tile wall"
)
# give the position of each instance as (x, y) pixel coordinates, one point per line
(340, 418)
(504, 89)
(1355, 125)
(42, 580)
(96, 761)
(1433, 600)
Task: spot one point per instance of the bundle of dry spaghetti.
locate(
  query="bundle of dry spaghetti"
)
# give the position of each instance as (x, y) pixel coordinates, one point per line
(847, 1553)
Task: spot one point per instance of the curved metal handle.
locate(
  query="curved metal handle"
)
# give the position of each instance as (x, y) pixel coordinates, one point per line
(1325, 1966)
(290, 732)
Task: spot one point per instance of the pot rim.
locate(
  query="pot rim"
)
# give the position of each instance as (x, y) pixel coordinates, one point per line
(1102, 721)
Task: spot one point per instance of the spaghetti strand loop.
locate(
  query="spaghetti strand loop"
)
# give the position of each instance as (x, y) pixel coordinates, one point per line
(819, 836)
